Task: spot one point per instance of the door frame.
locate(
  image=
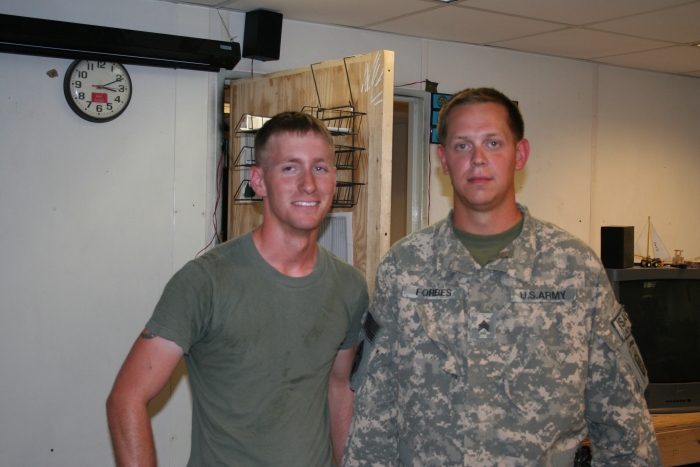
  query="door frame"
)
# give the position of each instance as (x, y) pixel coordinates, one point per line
(418, 156)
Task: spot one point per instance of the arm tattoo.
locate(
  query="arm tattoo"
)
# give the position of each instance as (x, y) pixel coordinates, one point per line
(148, 335)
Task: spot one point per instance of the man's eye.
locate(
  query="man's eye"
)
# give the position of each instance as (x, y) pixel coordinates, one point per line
(494, 144)
(462, 146)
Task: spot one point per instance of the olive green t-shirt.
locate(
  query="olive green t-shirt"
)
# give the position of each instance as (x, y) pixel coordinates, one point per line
(259, 346)
(484, 248)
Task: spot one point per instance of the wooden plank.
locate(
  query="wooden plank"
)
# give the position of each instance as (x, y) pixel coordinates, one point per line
(381, 103)
(679, 438)
(674, 421)
(369, 84)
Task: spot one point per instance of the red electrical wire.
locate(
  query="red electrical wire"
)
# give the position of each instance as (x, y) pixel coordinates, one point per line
(219, 178)
(409, 84)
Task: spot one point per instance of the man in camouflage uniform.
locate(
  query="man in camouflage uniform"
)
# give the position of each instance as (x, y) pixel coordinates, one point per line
(494, 339)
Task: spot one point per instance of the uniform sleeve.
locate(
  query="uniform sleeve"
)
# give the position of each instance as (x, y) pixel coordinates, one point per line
(620, 428)
(373, 437)
(184, 308)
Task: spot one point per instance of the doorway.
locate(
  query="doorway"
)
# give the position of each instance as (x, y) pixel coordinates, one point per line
(410, 162)
(399, 173)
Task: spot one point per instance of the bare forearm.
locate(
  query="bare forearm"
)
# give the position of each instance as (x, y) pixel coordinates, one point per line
(340, 399)
(143, 375)
(132, 436)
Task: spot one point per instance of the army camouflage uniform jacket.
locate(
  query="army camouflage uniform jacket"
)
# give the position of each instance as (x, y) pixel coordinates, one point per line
(512, 364)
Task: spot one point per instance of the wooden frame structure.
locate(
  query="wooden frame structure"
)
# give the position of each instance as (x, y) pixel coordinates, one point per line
(365, 82)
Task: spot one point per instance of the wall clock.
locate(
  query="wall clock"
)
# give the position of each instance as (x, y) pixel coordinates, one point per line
(97, 91)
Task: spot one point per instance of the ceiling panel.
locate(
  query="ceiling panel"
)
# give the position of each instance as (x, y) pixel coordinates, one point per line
(453, 23)
(678, 24)
(581, 43)
(677, 59)
(344, 12)
(574, 12)
(633, 33)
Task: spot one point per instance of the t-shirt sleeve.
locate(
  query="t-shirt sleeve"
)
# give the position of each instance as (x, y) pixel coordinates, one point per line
(183, 311)
(361, 305)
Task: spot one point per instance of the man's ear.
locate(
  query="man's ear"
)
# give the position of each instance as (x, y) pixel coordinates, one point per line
(522, 153)
(257, 181)
(443, 159)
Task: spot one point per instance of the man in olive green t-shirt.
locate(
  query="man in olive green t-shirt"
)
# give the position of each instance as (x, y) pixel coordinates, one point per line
(267, 323)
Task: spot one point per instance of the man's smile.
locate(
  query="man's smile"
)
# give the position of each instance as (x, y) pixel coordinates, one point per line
(305, 203)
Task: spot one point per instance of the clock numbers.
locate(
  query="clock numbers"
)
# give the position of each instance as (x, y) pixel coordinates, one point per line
(92, 65)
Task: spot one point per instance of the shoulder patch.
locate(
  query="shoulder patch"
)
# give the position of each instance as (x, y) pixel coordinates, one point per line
(371, 327)
(637, 357)
(622, 325)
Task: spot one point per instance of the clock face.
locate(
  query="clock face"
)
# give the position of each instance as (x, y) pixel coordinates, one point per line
(97, 91)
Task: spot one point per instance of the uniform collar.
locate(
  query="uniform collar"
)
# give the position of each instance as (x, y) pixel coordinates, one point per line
(516, 259)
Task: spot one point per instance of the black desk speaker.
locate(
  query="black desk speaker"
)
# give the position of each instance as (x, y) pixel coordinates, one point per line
(617, 246)
(263, 35)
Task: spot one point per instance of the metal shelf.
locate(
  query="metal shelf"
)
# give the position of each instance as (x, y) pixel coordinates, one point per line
(250, 123)
(245, 157)
(340, 121)
(347, 194)
(347, 157)
(245, 193)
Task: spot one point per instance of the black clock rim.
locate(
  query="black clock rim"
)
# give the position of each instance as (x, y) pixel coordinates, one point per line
(78, 111)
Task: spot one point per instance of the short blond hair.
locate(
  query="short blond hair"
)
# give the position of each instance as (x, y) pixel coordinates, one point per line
(288, 122)
(472, 96)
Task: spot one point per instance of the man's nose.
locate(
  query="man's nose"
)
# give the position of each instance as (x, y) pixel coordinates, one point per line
(479, 158)
(307, 183)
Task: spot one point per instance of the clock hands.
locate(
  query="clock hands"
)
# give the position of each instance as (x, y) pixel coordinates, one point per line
(116, 80)
(104, 86)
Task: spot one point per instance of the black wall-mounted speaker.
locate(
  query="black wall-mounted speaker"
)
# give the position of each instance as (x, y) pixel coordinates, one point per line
(263, 35)
(617, 246)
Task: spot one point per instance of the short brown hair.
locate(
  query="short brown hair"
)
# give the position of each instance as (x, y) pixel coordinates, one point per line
(473, 96)
(288, 122)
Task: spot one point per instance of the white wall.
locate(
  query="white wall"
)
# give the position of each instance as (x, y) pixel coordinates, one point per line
(649, 155)
(95, 218)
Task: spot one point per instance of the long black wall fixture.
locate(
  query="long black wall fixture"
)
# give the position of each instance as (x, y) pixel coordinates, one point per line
(48, 38)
